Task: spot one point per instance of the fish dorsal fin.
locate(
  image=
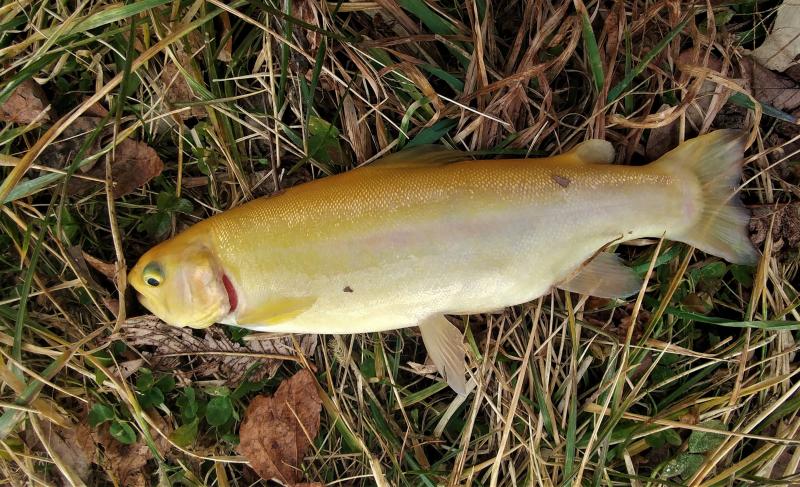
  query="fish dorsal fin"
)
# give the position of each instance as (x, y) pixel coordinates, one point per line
(594, 151)
(604, 276)
(274, 311)
(421, 156)
(445, 345)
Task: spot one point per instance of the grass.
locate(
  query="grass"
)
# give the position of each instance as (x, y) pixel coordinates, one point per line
(693, 382)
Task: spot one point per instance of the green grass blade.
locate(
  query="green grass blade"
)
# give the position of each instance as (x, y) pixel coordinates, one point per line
(433, 133)
(428, 17)
(745, 101)
(617, 90)
(595, 62)
(761, 325)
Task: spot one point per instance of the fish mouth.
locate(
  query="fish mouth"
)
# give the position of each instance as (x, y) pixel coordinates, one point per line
(233, 298)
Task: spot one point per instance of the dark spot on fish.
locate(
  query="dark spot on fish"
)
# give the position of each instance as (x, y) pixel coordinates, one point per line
(630, 232)
(561, 180)
(347, 289)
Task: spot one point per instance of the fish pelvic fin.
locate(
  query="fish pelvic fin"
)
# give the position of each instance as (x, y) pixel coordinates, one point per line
(445, 345)
(720, 227)
(604, 276)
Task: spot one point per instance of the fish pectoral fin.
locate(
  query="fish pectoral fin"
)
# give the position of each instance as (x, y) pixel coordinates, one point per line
(421, 156)
(274, 311)
(604, 276)
(594, 151)
(445, 345)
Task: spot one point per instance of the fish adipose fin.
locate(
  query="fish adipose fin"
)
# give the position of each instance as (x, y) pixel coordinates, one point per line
(421, 156)
(594, 151)
(445, 346)
(604, 276)
(715, 159)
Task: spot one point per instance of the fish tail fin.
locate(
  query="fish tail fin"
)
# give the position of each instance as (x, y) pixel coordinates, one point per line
(720, 227)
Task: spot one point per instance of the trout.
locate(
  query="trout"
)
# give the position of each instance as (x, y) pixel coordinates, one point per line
(429, 232)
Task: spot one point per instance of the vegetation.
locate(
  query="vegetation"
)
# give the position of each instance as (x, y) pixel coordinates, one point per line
(693, 382)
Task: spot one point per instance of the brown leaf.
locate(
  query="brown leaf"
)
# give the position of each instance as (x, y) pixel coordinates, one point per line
(26, 104)
(306, 11)
(133, 165)
(60, 153)
(73, 446)
(782, 46)
(76, 256)
(126, 462)
(277, 431)
(177, 89)
(106, 268)
(785, 229)
(357, 131)
(662, 139)
(227, 359)
(771, 88)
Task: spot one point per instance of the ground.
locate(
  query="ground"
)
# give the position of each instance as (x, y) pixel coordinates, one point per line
(122, 123)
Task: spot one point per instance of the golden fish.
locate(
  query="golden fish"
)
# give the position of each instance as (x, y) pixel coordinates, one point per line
(427, 232)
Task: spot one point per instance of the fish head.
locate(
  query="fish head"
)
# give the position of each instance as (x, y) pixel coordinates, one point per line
(183, 283)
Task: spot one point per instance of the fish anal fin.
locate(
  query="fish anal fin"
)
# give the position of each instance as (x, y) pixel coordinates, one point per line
(274, 311)
(604, 276)
(445, 345)
(594, 151)
(421, 156)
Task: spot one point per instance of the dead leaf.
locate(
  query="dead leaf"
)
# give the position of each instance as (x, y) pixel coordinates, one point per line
(306, 11)
(226, 50)
(662, 139)
(357, 131)
(786, 227)
(76, 256)
(95, 110)
(277, 431)
(216, 353)
(111, 304)
(60, 154)
(27, 104)
(126, 462)
(106, 268)
(783, 465)
(73, 446)
(177, 89)
(771, 88)
(781, 48)
(134, 163)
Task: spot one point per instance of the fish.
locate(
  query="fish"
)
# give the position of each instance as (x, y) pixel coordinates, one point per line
(429, 232)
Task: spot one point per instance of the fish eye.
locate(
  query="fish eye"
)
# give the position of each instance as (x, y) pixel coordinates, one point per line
(152, 274)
